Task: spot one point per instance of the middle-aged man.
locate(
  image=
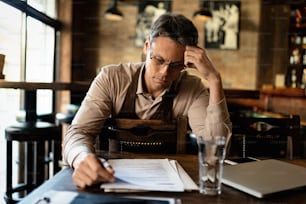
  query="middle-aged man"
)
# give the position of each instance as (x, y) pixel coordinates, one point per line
(159, 88)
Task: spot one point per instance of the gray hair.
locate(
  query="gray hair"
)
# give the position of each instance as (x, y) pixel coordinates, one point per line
(177, 27)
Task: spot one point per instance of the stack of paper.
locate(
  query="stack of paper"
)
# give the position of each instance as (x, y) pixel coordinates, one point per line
(149, 175)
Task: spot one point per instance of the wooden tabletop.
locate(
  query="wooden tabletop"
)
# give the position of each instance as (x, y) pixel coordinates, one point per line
(63, 181)
(72, 86)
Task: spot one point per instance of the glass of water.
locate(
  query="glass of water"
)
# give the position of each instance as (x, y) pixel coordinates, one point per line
(211, 153)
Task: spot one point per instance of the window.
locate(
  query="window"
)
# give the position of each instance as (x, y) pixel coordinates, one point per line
(40, 60)
(28, 31)
(11, 32)
(28, 39)
(47, 7)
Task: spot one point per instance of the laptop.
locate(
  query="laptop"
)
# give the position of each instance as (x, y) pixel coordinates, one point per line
(264, 177)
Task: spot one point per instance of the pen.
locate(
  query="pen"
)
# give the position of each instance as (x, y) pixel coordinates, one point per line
(105, 164)
(43, 200)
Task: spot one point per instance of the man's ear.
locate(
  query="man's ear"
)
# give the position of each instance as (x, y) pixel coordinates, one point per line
(146, 46)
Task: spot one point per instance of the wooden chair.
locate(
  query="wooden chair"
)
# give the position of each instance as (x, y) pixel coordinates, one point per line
(153, 136)
(257, 135)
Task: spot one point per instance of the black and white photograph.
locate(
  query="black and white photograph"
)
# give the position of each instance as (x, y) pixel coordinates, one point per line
(148, 12)
(222, 30)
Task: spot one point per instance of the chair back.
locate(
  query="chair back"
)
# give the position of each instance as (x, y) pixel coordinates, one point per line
(261, 136)
(146, 136)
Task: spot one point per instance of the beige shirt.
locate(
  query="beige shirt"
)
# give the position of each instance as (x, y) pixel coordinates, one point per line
(107, 93)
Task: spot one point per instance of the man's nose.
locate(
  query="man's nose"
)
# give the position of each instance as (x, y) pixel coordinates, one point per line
(165, 69)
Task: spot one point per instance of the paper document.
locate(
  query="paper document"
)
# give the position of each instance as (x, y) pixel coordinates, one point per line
(148, 175)
(189, 184)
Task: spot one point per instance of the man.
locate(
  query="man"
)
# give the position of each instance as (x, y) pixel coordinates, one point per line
(171, 46)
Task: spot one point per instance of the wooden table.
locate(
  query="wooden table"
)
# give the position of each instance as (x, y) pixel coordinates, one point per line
(63, 181)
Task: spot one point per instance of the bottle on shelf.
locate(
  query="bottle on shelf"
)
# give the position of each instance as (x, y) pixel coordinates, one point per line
(303, 81)
(304, 58)
(293, 78)
(295, 57)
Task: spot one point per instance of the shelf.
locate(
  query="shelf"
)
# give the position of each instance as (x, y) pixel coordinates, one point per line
(296, 45)
(289, 92)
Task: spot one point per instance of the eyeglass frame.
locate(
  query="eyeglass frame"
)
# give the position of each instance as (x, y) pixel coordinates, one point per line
(172, 66)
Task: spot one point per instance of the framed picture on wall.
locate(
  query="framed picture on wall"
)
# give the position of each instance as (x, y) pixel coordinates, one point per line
(222, 30)
(148, 12)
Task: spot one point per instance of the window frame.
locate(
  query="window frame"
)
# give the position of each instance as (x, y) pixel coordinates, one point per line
(30, 11)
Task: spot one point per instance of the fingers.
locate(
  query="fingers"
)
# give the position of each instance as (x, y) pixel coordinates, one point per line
(197, 56)
(199, 59)
(188, 57)
(90, 171)
(107, 166)
(82, 178)
(194, 56)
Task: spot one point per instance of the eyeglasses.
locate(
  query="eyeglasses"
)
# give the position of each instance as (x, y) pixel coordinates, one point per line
(172, 66)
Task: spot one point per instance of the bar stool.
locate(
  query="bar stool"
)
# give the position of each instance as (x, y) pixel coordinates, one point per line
(66, 118)
(42, 145)
(63, 118)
